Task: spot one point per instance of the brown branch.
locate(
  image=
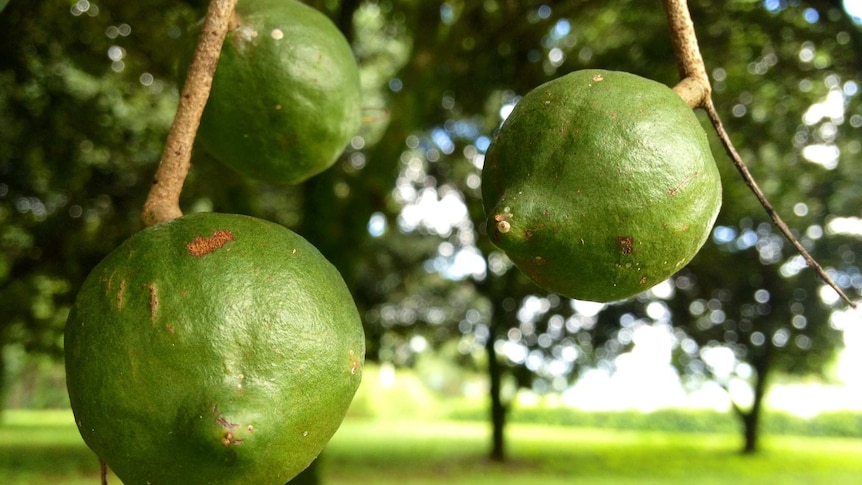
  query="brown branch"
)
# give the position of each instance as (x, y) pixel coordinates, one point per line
(163, 201)
(694, 87)
(694, 79)
(692, 91)
(103, 471)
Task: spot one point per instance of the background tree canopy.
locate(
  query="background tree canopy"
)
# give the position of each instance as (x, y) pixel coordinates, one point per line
(88, 90)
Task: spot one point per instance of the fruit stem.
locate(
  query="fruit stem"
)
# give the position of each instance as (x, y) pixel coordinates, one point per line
(697, 93)
(694, 87)
(163, 200)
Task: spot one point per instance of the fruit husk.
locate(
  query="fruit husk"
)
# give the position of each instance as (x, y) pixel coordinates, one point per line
(285, 97)
(212, 349)
(600, 184)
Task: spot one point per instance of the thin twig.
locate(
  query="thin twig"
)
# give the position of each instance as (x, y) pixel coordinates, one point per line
(103, 471)
(693, 73)
(163, 201)
(761, 197)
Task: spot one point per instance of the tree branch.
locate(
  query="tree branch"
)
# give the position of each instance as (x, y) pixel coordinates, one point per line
(696, 91)
(163, 201)
(694, 87)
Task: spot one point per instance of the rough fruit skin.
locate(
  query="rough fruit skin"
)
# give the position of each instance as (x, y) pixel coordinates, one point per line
(600, 184)
(212, 349)
(285, 98)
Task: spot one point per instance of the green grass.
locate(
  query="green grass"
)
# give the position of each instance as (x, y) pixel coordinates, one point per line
(44, 447)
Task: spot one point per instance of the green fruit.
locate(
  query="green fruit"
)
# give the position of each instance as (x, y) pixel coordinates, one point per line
(600, 185)
(285, 98)
(212, 349)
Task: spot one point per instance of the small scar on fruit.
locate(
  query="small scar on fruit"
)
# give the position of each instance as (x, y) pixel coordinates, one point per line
(355, 363)
(503, 225)
(154, 301)
(225, 423)
(627, 244)
(673, 191)
(120, 294)
(201, 246)
(230, 440)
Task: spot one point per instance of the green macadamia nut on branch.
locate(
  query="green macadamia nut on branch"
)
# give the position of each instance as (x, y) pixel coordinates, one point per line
(600, 185)
(285, 98)
(212, 349)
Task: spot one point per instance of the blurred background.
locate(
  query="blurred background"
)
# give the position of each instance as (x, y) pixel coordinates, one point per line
(475, 375)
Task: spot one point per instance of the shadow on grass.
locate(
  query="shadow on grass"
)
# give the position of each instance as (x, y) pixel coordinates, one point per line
(59, 459)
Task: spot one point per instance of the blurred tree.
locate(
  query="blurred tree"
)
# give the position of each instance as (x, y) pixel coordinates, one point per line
(84, 105)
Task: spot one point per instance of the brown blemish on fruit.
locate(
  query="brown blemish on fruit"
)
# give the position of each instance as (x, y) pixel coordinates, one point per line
(530, 232)
(230, 440)
(223, 422)
(170, 328)
(540, 261)
(154, 301)
(120, 294)
(201, 246)
(627, 244)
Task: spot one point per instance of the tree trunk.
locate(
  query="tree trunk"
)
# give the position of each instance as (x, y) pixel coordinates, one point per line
(498, 290)
(750, 422)
(498, 410)
(751, 419)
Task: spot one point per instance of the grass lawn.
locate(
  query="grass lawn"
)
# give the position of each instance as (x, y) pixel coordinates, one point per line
(44, 447)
